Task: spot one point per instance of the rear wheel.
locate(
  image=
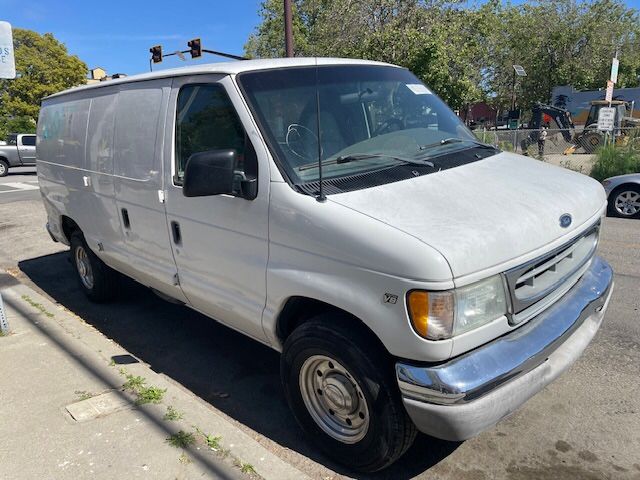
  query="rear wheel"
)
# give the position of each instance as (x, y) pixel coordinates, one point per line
(341, 388)
(624, 202)
(4, 168)
(96, 279)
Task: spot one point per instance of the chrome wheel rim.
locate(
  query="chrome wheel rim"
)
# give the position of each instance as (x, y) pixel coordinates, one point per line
(83, 266)
(334, 399)
(627, 203)
(2, 168)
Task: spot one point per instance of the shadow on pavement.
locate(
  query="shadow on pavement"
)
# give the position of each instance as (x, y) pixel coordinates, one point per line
(235, 374)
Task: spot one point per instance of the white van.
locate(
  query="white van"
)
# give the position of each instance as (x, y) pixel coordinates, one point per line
(339, 212)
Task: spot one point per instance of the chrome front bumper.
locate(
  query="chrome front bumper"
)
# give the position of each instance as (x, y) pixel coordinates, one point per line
(458, 399)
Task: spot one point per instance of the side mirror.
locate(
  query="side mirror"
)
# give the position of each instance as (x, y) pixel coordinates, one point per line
(209, 173)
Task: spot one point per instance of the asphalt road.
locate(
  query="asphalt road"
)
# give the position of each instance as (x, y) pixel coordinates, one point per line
(584, 426)
(21, 183)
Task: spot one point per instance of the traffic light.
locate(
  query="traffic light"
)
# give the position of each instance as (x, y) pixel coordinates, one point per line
(156, 54)
(196, 47)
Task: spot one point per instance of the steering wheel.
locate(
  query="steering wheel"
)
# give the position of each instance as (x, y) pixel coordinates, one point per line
(302, 142)
(392, 124)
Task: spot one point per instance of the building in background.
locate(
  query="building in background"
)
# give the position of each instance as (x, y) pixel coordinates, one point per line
(579, 102)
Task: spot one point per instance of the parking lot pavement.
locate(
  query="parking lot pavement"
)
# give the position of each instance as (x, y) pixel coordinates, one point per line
(584, 426)
(21, 183)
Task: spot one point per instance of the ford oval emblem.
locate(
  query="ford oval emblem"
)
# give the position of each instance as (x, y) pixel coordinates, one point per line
(565, 220)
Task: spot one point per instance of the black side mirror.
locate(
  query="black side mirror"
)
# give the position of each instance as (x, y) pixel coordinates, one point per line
(209, 173)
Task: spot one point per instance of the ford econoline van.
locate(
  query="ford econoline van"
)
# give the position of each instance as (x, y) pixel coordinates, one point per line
(338, 211)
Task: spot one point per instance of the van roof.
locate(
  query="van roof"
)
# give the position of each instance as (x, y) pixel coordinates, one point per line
(228, 68)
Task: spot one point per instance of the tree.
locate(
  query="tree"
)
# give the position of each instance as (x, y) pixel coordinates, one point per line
(43, 67)
(465, 51)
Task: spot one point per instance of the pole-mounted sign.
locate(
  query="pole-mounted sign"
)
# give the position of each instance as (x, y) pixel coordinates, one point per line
(7, 60)
(614, 70)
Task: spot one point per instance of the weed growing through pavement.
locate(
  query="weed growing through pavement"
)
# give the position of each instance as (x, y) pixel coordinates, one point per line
(150, 395)
(136, 385)
(211, 440)
(37, 305)
(83, 395)
(173, 414)
(247, 468)
(184, 459)
(181, 439)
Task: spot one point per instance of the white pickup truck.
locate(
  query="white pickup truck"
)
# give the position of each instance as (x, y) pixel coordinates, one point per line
(19, 151)
(339, 212)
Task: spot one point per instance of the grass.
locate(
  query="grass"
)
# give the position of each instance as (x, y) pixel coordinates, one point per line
(615, 160)
(37, 305)
(181, 439)
(134, 383)
(173, 414)
(247, 468)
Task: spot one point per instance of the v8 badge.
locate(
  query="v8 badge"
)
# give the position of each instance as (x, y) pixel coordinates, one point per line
(390, 298)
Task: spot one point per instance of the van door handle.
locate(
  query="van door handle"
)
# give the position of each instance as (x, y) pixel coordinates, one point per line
(125, 219)
(175, 230)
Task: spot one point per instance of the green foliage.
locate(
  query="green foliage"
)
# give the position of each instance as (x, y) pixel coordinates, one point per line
(212, 441)
(150, 395)
(464, 50)
(615, 160)
(181, 439)
(247, 468)
(43, 67)
(172, 414)
(133, 384)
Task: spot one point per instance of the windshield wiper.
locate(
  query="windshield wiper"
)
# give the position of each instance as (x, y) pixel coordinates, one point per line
(447, 141)
(365, 156)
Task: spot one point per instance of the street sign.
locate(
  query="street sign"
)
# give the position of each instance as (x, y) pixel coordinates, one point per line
(7, 61)
(606, 119)
(609, 94)
(614, 70)
(520, 70)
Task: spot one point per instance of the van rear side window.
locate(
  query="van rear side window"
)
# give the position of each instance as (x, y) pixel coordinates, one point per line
(136, 126)
(206, 120)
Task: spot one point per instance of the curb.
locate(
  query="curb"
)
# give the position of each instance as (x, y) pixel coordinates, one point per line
(100, 351)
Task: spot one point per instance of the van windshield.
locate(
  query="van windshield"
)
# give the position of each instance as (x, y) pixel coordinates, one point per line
(372, 119)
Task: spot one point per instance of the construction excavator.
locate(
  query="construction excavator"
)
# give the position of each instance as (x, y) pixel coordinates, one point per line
(627, 128)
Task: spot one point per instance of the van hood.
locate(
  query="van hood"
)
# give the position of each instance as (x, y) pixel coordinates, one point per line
(490, 213)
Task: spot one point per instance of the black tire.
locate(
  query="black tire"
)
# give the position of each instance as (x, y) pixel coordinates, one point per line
(591, 141)
(612, 211)
(103, 286)
(390, 431)
(4, 168)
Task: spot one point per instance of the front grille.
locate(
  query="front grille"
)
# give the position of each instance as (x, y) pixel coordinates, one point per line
(538, 283)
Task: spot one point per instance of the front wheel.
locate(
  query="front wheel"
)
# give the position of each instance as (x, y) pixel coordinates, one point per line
(342, 391)
(624, 202)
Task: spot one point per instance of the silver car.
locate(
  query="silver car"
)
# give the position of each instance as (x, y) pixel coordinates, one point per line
(623, 194)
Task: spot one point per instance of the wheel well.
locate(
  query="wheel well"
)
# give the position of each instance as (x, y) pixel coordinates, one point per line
(624, 185)
(4, 159)
(299, 310)
(68, 227)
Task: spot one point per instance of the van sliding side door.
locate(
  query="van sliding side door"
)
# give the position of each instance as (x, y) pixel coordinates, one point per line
(220, 242)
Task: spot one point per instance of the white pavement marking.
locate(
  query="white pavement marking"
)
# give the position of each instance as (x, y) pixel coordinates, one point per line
(19, 186)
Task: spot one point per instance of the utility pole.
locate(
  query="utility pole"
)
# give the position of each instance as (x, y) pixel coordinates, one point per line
(288, 29)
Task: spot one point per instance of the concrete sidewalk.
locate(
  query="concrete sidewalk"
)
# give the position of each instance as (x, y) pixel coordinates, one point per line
(66, 414)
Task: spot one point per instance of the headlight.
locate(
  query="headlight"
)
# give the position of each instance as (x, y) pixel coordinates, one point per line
(439, 315)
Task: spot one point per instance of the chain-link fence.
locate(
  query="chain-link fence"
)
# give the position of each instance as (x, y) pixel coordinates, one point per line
(571, 149)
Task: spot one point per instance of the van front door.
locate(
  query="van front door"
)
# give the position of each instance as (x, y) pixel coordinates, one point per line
(220, 242)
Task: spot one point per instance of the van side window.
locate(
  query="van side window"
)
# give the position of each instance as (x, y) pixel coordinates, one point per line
(29, 141)
(206, 120)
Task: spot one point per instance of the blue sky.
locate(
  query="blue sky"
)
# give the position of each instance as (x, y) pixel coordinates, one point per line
(117, 34)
